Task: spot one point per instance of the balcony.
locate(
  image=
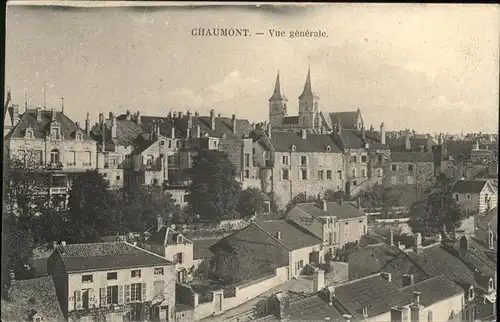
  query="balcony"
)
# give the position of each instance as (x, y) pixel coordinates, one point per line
(55, 165)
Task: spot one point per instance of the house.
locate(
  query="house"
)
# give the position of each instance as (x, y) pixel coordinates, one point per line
(336, 223)
(475, 195)
(50, 139)
(486, 227)
(267, 245)
(115, 279)
(179, 193)
(33, 300)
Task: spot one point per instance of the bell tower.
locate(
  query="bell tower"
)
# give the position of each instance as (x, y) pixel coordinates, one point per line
(277, 105)
(309, 116)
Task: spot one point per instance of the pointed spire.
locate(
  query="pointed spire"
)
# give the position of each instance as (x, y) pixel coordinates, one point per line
(277, 95)
(307, 86)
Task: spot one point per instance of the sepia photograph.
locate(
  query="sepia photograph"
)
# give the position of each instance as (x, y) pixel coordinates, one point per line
(204, 161)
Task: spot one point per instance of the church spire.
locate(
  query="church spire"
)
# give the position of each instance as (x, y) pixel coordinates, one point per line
(307, 86)
(277, 95)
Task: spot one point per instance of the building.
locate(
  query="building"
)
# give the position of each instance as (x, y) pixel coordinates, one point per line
(475, 195)
(485, 224)
(51, 140)
(409, 143)
(115, 280)
(268, 245)
(336, 223)
(412, 172)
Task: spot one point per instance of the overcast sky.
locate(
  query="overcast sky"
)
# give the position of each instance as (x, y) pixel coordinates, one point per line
(428, 67)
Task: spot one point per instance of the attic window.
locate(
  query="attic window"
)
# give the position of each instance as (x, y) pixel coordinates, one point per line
(294, 148)
(224, 135)
(328, 148)
(29, 133)
(79, 136)
(471, 293)
(490, 284)
(179, 239)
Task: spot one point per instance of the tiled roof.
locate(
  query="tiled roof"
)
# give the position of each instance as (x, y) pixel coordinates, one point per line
(283, 142)
(489, 218)
(102, 256)
(468, 186)
(166, 236)
(353, 139)
(433, 290)
(347, 119)
(201, 247)
(127, 133)
(41, 128)
(292, 236)
(412, 157)
(345, 211)
(30, 296)
(374, 292)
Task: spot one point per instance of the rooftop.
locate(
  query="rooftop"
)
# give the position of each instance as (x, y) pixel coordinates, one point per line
(412, 157)
(292, 236)
(347, 210)
(283, 142)
(469, 186)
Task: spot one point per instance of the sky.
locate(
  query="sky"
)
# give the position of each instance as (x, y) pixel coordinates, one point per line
(432, 68)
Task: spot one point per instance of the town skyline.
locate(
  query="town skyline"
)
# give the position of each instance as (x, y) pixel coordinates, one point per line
(441, 65)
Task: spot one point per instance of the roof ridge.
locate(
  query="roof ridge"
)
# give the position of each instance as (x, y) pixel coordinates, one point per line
(358, 279)
(147, 251)
(423, 281)
(276, 239)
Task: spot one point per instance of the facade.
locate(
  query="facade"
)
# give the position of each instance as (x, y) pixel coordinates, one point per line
(486, 227)
(116, 279)
(336, 223)
(475, 196)
(51, 140)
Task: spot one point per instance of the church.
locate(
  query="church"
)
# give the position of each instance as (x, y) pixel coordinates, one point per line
(310, 117)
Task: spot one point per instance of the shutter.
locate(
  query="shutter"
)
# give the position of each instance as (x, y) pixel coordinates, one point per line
(78, 300)
(91, 298)
(143, 298)
(103, 298)
(120, 294)
(127, 293)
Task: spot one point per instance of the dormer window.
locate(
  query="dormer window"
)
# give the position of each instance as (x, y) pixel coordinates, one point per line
(328, 148)
(29, 133)
(490, 285)
(224, 135)
(79, 136)
(471, 293)
(179, 239)
(294, 148)
(54, 132)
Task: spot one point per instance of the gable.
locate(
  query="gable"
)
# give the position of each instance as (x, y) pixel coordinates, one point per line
(488, 188)
(307, 221)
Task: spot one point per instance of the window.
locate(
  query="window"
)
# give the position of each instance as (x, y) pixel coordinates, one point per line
(294, 148)
(380, 158)
(155, 181)
(363, 173)
(162, 143)
(169, 144)
(303, 161)
(471, 293)
(87, 158)
(54, 132)
(179, 258)
(354, 173)
(456, 197)
(394, 167)
(178, 143)
(118, 178)
(112, 276)
(354, 159)
(21, 154)
(339, 174)
(38, 156)
(87, 278)
(29, 133)
(355, 183)
(149, 159)
(429, 316)
(363, 158)
(320, 175)
(135, 273)
(328, 148)
(284, 174)
(159, 287)
(79, 136)
(468, 196)
(112, 294)
(303, 174)
(409, 180)
(247, 159)
(284, 160)
(71, 158)
(379, 173)
(329, 174)
(104, 175)
(490, 284)
(135, 292)
(158, 271)
(486, 198)
(112, 160)
(54, 156)
(410, 167)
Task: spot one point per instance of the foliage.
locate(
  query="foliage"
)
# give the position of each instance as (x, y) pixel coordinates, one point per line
(251, 202)
(440, 213)
(300, 198)
(332, 195)
(91, 208)
(214, 191)
(381, 197)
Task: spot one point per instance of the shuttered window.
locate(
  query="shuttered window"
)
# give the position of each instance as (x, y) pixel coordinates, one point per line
(78, 300)
(127, 293)
(144, 294)
(120, 294)
(102, 296)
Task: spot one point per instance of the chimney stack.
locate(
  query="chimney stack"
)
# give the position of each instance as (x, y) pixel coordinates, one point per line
(87, 124)
(158, 131)
(233, 123)
(212, 120)
(128, 116)
(278, 235)
(346, 317)
(281, 305)
(14, 114)
(303, 133)
(179, 115)
(77, 125)
(172, 130)
(382, 133)
(269, 130)
(416, 298)
(391, 237)
(101, 118)
(138, 117)
(196, 113)
(319, 280)
(387, 276)
(341, 202)
(407, 142)
(363, 132)
(53, 115)
(324, 204)
(63, 243)
(358, 202)
(159, 223)
(417, 241)
(198, 131)
(175, 115)
(113, 125)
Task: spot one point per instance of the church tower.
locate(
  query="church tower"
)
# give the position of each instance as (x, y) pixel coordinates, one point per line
(309, 116)
(277, 105)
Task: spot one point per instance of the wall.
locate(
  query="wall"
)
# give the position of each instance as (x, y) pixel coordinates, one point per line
(303, 254)
(186, 249)
(441, 311)
(468, 201)
(415, 182)
(355, 230)
(380, 318)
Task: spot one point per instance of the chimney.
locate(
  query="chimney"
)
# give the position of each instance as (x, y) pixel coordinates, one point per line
(233, 123)
(391, 237)
(407, 142)
(159, 223)
(364, 311)
(280, 305)
(53, 115)
(190, 119)
(175, 115)
(417, 241)
(303, 133)
(341, 202)
(179, 115)
(324, 204)
(399, 314)
(422, 149)
(407, 279)
(363, 133)
(269, 130)
(319, 280)
(196, 113)
(416, 298)
(358, 202)
(101, 118)
(212, 120)
(54, 244)
(346, 317)
(128, 117)
(382, 133)
(62, 105)
(87, 124)
(113, 125)
(387, 276)
(14, 114)
(219, 115)
(172, 130)
(138, 118)
(198, 131)
(63, 243)
(77, 125)
(158, 131)
(278, 235)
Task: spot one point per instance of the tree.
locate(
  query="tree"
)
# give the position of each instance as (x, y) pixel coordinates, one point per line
(251, 202)
(332, 195)
(214, 191)
(91, 212)
(440, 213)
(379, 196)
(300, 198)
